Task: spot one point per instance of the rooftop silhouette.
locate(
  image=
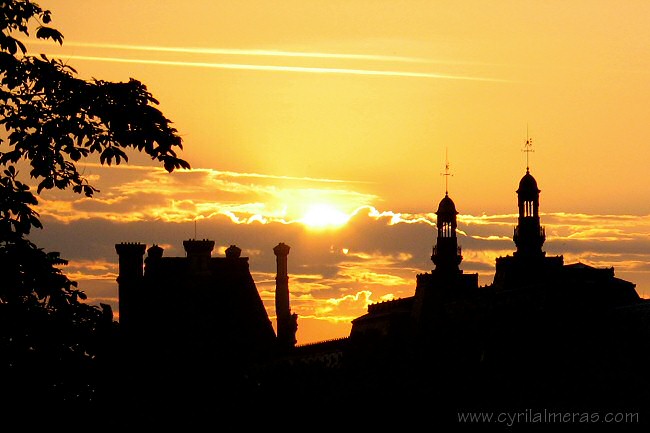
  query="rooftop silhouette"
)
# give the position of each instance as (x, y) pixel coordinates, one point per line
(542, 334)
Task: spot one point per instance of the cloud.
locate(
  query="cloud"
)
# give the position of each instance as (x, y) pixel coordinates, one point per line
(334, 273)
(354, 302)
(146, 193)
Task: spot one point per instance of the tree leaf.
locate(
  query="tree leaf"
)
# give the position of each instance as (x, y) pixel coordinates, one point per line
(44, 32)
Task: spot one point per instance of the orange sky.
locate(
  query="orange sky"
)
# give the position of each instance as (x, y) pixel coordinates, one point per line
(286, 106)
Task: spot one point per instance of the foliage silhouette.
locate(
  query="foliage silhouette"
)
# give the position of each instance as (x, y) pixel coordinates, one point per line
(51, 341)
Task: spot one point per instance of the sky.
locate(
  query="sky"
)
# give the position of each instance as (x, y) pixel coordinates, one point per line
(327, 125)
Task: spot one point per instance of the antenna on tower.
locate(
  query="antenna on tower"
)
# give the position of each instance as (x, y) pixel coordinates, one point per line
(194, 228)
(446, 173)
(528, 147)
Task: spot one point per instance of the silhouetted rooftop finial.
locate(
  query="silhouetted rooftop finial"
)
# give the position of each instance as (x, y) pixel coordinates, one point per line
(528, 147)
(446, 173)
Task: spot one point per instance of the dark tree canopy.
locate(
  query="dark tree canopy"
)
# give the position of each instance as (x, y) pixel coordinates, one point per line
(55, 119)
(50, 339)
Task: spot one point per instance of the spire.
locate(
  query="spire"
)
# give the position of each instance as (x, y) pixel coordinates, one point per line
(446, 174)
(528, 148)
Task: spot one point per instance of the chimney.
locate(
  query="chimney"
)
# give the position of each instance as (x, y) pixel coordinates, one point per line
(198, 254)
(286, 322)
(131, 267)
(233, 252)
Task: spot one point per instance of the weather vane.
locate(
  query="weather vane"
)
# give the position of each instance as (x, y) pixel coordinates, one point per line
(528, 147)
(446, 173)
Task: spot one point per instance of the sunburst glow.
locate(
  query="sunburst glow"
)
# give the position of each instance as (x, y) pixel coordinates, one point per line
(324, 216)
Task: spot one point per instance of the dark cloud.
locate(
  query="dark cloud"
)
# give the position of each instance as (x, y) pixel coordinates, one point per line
(334, 272)
(312, 252)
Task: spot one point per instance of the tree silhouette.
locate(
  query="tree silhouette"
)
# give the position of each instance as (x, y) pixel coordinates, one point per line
(50, 339)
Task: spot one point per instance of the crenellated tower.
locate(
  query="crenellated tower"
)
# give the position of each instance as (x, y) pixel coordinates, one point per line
(129, 280)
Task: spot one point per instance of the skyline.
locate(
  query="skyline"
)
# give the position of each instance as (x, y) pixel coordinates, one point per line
(321, 272)
(298, 111)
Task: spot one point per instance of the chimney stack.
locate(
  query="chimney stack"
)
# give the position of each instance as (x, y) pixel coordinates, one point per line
(198, 254)
(129, 280)
(286, 322)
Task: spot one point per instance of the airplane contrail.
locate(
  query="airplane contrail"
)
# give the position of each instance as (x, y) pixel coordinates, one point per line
(242, 52)
(304, 69)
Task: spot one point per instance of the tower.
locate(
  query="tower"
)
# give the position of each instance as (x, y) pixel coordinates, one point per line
(529, 235)
(446, 252)
(129, 280)
(286, 322)
(447, 281)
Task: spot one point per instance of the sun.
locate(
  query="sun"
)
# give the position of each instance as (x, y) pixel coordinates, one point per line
(323, 215)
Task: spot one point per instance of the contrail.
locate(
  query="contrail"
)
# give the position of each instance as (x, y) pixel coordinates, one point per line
(304, 69)
(241, 52)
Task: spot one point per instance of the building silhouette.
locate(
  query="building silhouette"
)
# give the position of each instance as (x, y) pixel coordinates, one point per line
(208, 305)
(191, 326)
(542, 334)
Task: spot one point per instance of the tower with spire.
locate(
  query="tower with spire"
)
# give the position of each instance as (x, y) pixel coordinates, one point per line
(529, 234)
(529, 263)
(508, 342)
(446, 252)
(446, 281)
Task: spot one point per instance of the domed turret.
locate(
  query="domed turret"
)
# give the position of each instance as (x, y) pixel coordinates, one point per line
(446, 220)
(529, 235)
(446, 207)
(528, 189)
(446, 253)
